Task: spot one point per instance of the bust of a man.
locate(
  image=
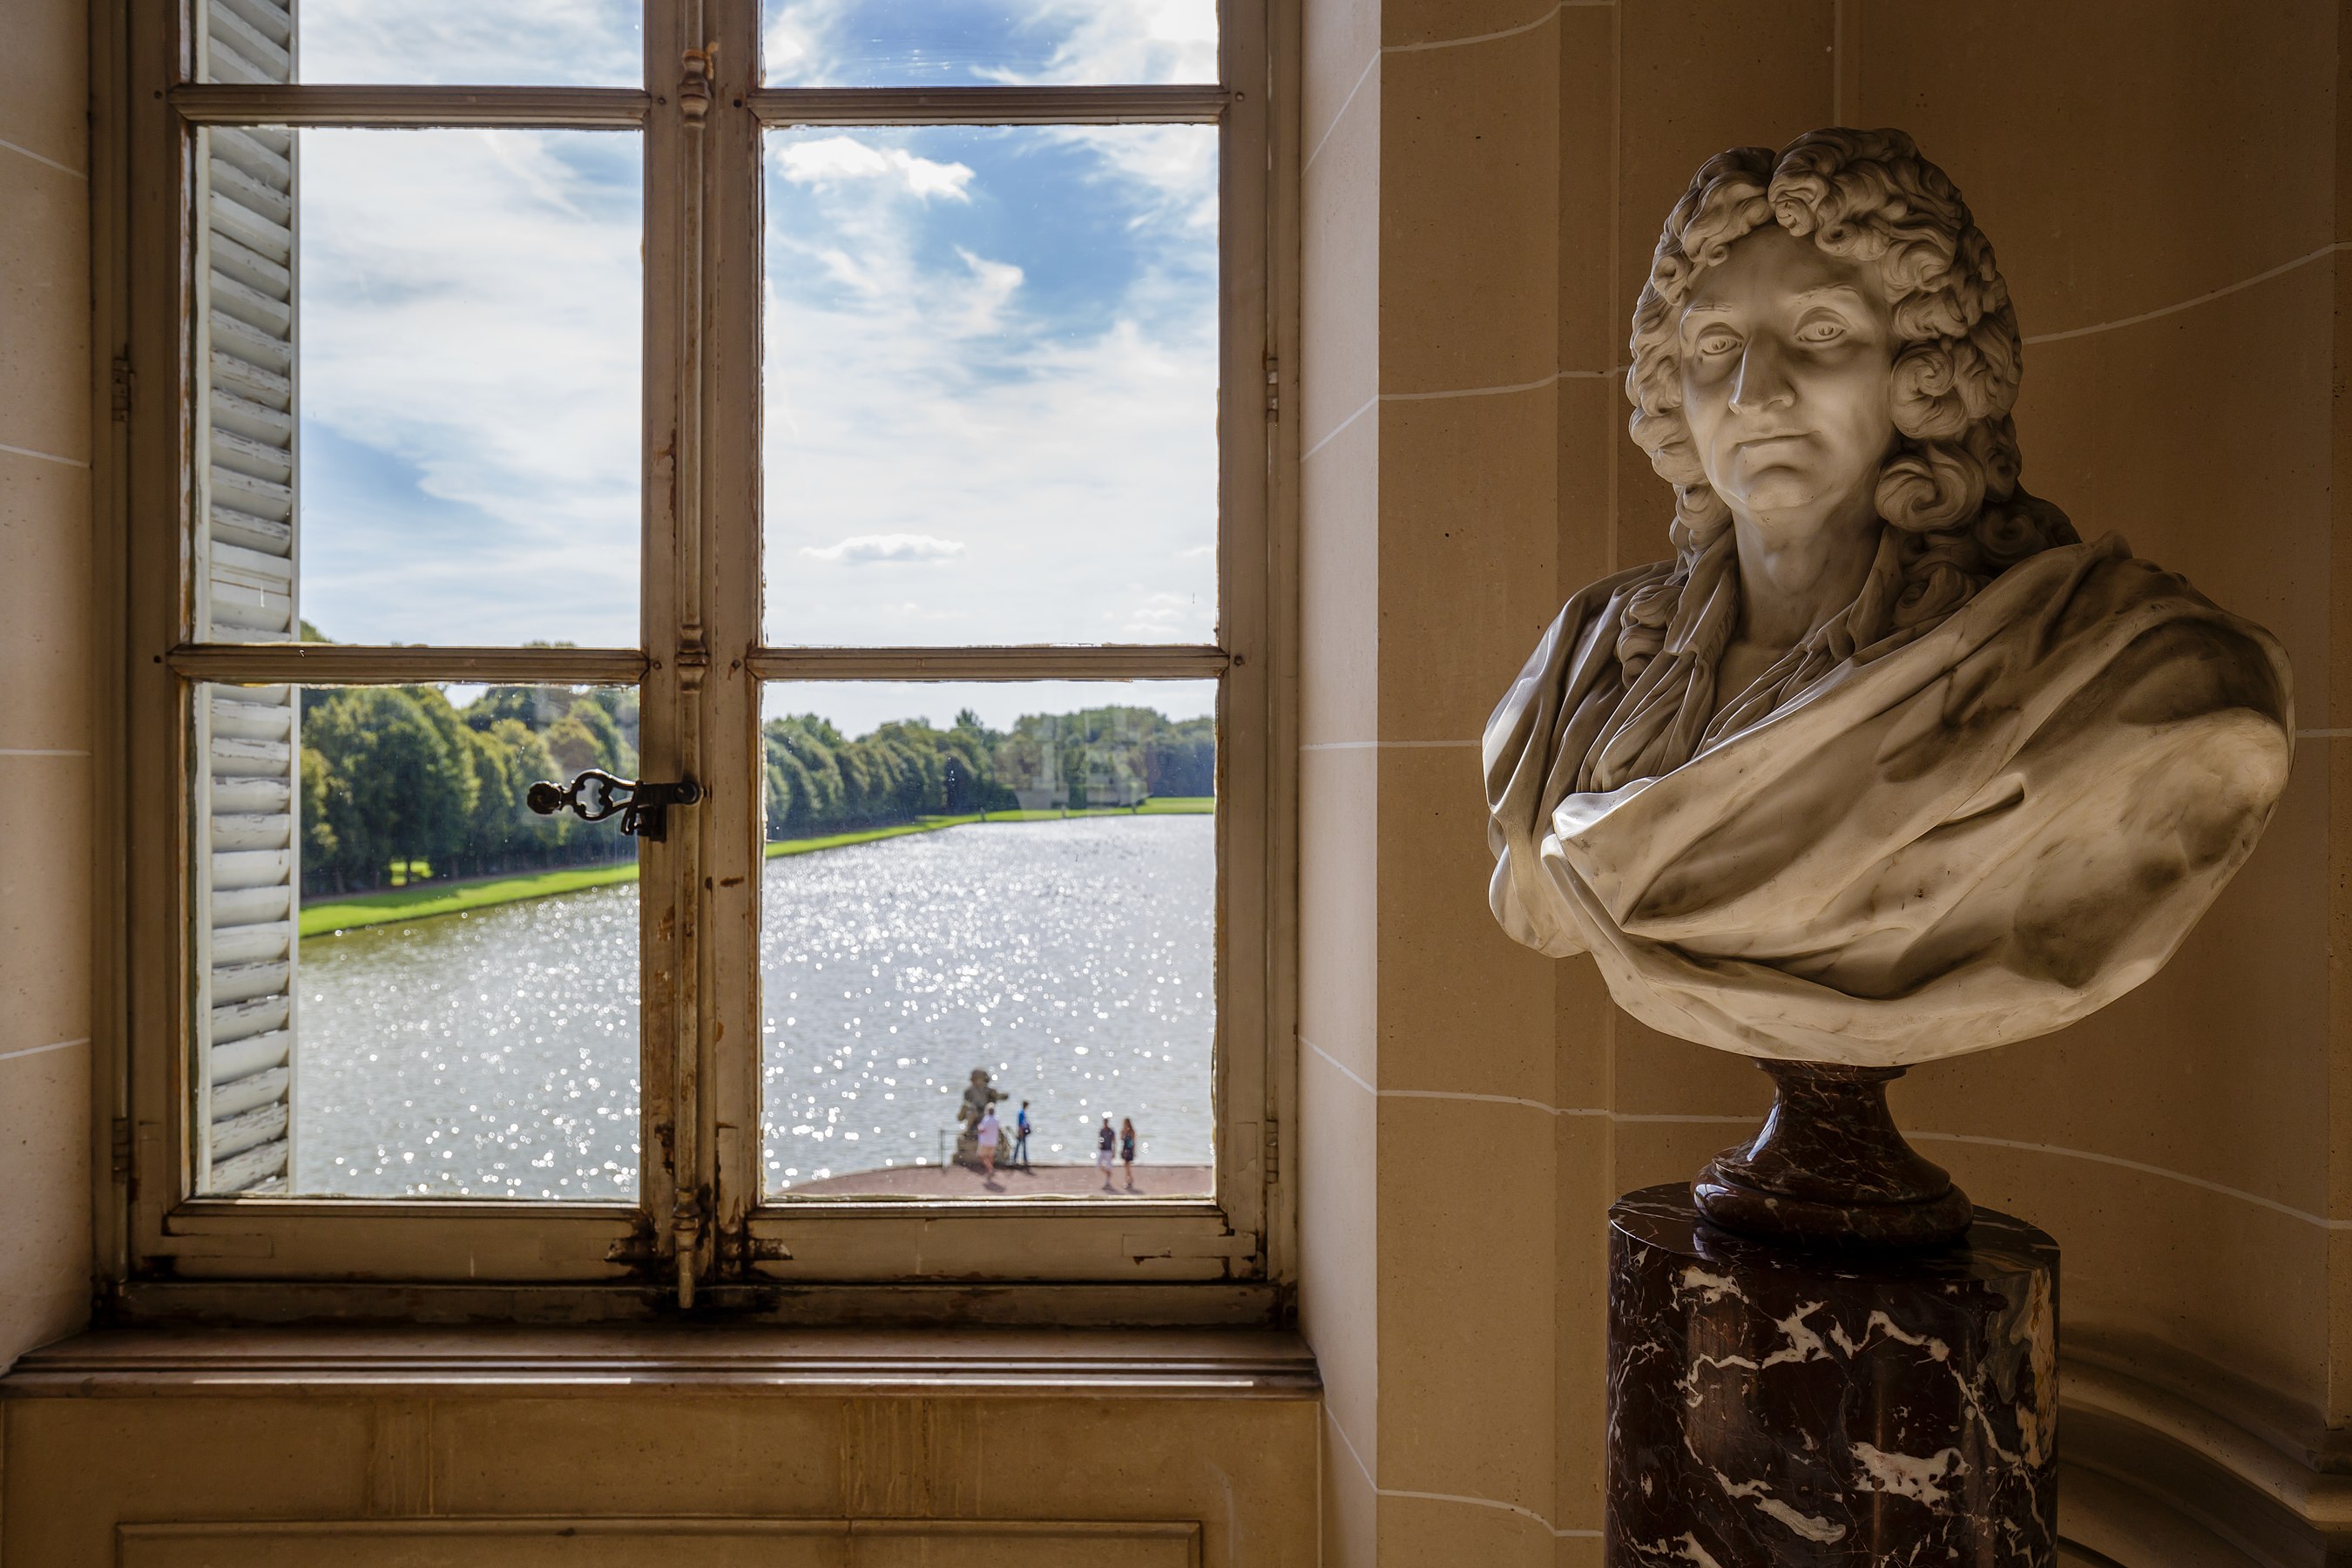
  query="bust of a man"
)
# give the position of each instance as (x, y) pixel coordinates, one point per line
(1885, 763)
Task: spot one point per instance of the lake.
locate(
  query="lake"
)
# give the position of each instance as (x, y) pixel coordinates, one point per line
(493, 1054)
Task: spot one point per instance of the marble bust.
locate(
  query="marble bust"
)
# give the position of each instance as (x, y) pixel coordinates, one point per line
(1885, 764)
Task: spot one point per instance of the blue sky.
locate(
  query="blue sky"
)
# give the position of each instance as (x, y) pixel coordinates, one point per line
(990, 371)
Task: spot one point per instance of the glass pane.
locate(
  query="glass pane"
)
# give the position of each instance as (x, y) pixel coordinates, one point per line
(409, 983)
(983, 43)
(989, 899)
(431, 401)
(515, 43)
(991, 385)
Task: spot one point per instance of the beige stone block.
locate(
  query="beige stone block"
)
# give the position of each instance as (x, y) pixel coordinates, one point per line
(1469, 217)
(1592, 410)
(1582, 1156)
(45, 605)
(1338, 906)
(1340, 271)
(2336, 711)
(45, 390)
(1433, 1531)
(2238, 1284)
(1340, 42)
(1594, 302)
(1467, 1190)
(564, 1543)
(44, 82)
(76, 1465)
(674, 1453)
(1659, 1074)
(2141, 112)
(2203, 439)
(1462, 1007)
(1581, 1551)
(2218, 1067)
(1352, 1508)
(1340, 591)
(1645, 503)
(1245, 1468)
(45, 905)
(1339, 1246)
(1468, 523)
(1700, 76)
(1649, 1151)
(1584, 1035)
(45, 1131)
(1468, 25)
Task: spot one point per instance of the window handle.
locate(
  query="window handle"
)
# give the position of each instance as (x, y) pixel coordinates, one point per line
(594, 794)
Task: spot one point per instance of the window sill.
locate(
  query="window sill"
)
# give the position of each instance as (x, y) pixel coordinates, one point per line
(975, 1362)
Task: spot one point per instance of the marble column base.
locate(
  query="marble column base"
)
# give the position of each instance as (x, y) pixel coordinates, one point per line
(1772, 1408)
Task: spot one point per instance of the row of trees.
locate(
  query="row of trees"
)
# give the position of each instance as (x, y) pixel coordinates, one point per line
(819, 780)
(399, 777)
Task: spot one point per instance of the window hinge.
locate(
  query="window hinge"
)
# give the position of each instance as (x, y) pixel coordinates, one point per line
(1273, 1152)
(121, 1141)
(1273, 387)
(124, 384)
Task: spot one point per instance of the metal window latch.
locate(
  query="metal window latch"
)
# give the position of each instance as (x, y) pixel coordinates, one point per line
(595, 795)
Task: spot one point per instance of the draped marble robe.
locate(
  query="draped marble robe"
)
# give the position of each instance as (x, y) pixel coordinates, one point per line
(1973, 834)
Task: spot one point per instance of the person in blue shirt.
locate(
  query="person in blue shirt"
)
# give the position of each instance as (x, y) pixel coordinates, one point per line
(1021, 1136)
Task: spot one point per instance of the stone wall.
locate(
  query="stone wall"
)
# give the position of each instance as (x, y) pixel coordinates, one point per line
(45, 450)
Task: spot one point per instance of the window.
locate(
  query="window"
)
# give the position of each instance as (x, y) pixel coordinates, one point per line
(859, 411)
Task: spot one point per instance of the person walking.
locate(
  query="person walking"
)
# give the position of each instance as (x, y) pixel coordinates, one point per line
(1127, 1148)
(1021, 1136)
(1106, 1150)
(988, 1132)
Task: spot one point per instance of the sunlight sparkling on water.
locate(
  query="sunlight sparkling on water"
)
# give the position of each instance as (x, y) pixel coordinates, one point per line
(492, 1054)
(1072, 961)
(495, 1054)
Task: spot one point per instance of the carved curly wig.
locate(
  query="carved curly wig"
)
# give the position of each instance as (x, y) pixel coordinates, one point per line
(1947, 494)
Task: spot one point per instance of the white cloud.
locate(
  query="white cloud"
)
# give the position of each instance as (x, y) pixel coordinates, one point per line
(1134, 41)
(1063, 419)
(515, 42)
(470, 311)
(833, 160)
(1163, 617)
(886, 549)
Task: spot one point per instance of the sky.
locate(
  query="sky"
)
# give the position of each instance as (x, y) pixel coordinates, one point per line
(989, 384)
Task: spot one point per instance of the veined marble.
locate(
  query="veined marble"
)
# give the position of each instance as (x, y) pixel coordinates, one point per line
(1771, 1408)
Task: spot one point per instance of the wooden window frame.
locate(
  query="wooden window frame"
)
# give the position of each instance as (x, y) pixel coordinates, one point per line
(707, 1236)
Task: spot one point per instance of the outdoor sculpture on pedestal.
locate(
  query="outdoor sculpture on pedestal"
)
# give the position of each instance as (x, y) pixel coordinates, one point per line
(1884, 764)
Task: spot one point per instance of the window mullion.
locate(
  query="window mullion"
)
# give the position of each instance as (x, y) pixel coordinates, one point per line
(732, 749)
(668, 913)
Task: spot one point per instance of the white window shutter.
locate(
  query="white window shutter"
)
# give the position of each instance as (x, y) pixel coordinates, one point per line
(248, 779)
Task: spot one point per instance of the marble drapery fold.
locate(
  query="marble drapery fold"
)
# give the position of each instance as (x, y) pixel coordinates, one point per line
(1968, 833)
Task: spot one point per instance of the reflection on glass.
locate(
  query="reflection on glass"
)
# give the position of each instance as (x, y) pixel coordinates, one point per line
(991, 385)
(998, 902)
(515, 43)
(434, 407)
(983, 43)
(410, 983)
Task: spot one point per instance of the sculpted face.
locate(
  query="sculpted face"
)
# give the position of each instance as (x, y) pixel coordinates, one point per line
(1786, 357)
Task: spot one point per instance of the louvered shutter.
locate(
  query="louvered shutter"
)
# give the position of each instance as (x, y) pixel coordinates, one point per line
(248, 786)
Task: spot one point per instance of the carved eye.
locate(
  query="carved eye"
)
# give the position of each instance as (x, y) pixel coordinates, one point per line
(1820, 329)
(1718, 340)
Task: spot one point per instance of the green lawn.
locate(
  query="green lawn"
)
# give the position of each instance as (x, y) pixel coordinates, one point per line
(435, 899)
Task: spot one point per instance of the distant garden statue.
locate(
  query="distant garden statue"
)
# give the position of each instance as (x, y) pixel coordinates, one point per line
(978, 1096)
